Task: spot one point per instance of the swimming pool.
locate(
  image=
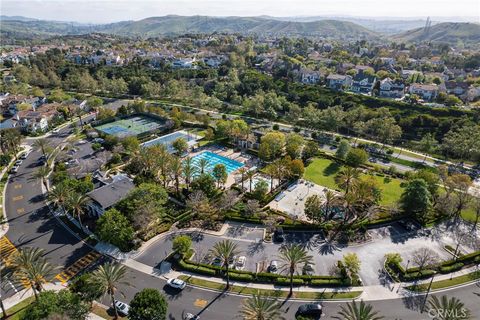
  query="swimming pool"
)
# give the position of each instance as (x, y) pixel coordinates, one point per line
(214, 159)
(168, 139)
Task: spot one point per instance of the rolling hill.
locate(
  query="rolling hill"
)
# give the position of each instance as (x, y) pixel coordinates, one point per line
(177, 25)
(446, 32)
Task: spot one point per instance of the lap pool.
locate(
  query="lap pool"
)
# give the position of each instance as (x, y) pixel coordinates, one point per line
(213, 159)
(168, 139)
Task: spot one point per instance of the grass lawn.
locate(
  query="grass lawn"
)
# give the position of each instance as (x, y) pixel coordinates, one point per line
(315, 295)
(105, 314)
(469, 214)
(16, 312)
(323, 172)
(447, 283)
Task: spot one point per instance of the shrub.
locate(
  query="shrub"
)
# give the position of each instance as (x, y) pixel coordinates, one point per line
(419, 275)
(241, 277)
(286, 282)
(330, 282)
(196, 268)
(454, 267)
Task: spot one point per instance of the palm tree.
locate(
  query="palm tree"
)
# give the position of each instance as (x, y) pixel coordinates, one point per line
(354, 311)
(59, 196)
(292, 256)
(448, 309)
(107, 277)
(76, 203)
(249, 176)
(330, 199)
(242, 171)
(225, 250)
(202, 165)
(42, 173)
(42, 145)
(347, 177)
(176, 167)
(189, 171)
(271, 171)
(30, 266)
(258, 307)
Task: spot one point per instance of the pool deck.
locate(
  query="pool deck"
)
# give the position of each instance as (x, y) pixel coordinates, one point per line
(247, 160)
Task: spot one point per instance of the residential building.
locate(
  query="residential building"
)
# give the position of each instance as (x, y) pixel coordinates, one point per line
(339, 82)
(391, 88)
(363, 83)
(456, 88)
(427, 92)
(310, 76)
(107, 196)
(37, 120)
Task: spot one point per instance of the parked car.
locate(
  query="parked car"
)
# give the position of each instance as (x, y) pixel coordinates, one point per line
(231, 262)
(14, 169)
(24, 155)
(279, 235)
(176, 283)
(190, 316)
(240, 265)
(18, 162)
(273, 267)
(217, 262)
(122, 307)
(311, 310)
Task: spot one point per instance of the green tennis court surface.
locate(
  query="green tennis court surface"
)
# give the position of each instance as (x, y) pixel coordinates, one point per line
(133, 126)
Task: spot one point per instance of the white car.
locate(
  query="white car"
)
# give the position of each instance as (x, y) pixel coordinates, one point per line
(18, 162)
(24, 155)
(231, 262)
(240, 265)
(177, 283)
(190, 316)
(122, 307)
(273, 267)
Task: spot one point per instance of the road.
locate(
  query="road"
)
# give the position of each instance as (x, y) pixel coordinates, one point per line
(32, 225)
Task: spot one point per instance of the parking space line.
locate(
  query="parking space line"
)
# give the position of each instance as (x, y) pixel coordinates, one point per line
(72, 270)
(17, 198)
(7, 254)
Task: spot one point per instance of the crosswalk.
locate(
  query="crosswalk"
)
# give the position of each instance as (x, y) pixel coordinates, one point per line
(77, 266)
(7, 253)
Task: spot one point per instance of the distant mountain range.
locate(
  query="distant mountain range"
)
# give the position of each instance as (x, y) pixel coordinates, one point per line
(448, 32)
(171, 25)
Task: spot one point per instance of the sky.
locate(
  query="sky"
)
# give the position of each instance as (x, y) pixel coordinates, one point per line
(104, 11)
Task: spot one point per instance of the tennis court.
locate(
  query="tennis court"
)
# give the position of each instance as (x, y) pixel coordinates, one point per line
(133, 126)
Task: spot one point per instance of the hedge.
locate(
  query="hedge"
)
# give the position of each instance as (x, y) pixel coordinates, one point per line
(196, 268)
(338, 282)
(451, 268)
(286, 281)
(241, 277)
(419, 275)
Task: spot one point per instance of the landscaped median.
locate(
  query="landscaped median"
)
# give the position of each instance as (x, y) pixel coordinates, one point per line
(303, 295)
(447, 283)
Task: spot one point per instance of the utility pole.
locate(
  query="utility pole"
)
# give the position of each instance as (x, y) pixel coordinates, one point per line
(426, 295)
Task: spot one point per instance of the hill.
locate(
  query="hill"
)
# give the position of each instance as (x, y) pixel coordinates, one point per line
(446, 32)
(177, 25)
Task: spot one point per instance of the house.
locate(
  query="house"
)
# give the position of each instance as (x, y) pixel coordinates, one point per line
(391, 88)
(409, 73)
(37, 120)
(310, 76)
(214, 61)
(339, 82)
(107, 196)
(473, 93)
(363, 83)
(456, 88)
(186, 63)
(427, 92)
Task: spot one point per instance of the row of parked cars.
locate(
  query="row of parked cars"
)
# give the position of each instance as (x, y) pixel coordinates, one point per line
(235, 263)
(17, 164)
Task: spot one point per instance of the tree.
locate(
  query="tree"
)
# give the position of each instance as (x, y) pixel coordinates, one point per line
(180, 145)
(415, 199)
(63, 303)
(424, 257)
(146, 195)
(182, 244)
(131, 144)
(258, 307)
(294, 144)
(296, 168)
(242, 172)
(148, 304)
(176, 169)
(219, 173)
(189, 171)
(83, 286)
(292, 256)
(114, 227)
(462, 142)
(343, 149)
(10, 141)
(310, 150)
(346, 178)
(225, 250)
(31, 266)
(42, 174)
(249, 176)
(261, 190)
(313, 208)
(203, 164)
(204, 183)
(428, 144)
(352, 264)
(109, 276)
(360, 311)
(271, 145)
(459, 185)
(356, 157)
(42, 144)
(77, 203)
(444, 308)
(94, 102)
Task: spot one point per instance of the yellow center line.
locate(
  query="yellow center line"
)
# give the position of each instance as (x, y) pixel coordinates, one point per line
(17, 198)
(20, 210)
(17, 186)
